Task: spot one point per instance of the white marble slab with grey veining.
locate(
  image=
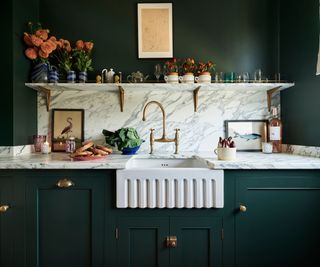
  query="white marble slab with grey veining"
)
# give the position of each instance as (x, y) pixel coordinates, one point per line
(245, 160)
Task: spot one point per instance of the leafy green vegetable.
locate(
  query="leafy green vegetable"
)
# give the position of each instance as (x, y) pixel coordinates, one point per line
(124, 137)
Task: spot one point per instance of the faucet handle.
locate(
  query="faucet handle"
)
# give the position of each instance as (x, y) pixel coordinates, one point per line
(177, 129)
(151, 129)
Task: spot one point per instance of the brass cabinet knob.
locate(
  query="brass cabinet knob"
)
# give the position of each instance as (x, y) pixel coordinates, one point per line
(65, 183)
(242, 208)
(4, 208)
(171, 241)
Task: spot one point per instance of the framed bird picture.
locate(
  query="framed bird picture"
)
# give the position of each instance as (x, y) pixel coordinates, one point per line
(66, 123)
(248, 135)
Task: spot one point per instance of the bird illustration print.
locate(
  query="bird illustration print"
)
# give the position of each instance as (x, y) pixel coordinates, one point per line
(67, 129)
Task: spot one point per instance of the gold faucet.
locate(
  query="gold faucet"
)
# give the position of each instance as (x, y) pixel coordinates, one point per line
(164, 138)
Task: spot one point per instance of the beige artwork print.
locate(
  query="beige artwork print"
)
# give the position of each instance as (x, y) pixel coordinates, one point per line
(155, 30)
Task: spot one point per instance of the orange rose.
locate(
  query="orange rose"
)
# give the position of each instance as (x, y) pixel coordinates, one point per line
(52, 44)
(46, 47)
(66, 45)
(36, 41)
(42, 33)
(88, 46)
(31, 53)
(27, 39)
(43, 54)
(80, 44)
(53, 39)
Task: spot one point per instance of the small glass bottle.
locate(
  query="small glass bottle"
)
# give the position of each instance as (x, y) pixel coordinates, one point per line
(275, 131)
(70, 145)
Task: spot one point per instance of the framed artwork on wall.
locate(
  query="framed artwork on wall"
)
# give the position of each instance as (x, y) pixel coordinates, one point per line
(248, 135)
(155, 30)
(67, 123)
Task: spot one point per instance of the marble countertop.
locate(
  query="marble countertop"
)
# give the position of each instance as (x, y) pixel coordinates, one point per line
(245, 160)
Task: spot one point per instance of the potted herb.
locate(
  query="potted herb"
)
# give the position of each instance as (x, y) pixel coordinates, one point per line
(188, 69)
(171, 69)
(82, 58)
(127, 140)
(204, 72)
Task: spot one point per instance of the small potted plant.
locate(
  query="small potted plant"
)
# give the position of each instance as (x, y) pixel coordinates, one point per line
(82, 58)
(188, 69)
(39, 49)
(171, 69)
(127, 140)
(204, 71)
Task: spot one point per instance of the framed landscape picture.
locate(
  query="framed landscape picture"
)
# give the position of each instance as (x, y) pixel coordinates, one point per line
(155, 30)
(247, 134)
(66, 123)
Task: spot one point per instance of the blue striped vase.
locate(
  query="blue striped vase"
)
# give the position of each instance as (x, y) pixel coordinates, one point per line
(39, 73)
(83, 76)
(53, 74)
(71, 76)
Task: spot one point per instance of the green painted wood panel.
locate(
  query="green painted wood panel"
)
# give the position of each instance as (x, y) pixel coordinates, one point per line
(6, 223)
(199, 241)
(65, 226)
(141, 242)
(281, 225)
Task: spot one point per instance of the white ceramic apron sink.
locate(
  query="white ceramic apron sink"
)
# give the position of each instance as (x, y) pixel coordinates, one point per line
(169, 183)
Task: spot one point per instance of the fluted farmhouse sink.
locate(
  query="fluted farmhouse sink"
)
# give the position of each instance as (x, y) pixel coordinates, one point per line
(169, 183)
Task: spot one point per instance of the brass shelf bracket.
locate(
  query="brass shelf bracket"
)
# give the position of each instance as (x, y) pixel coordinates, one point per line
(121, 97)
(47, 93)
(195, 98)
(270, 93)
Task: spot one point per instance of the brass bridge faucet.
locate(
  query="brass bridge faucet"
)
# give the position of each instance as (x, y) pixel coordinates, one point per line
(164, 138)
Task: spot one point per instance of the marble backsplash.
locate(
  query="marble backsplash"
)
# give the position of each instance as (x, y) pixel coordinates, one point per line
(199, 130)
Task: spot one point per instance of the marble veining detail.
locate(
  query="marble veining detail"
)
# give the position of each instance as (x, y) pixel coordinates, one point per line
(199, 131)
(9, 151)
(310, 151)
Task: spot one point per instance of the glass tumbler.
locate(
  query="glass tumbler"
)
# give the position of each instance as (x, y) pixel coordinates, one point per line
(38, 140)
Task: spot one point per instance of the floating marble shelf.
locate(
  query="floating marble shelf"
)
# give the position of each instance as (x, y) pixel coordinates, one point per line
(47, 88)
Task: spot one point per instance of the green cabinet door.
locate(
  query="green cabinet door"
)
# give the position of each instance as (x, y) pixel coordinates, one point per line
(199, 241)
(65, 219)
(141, 241)
(6, 222)
(281, 224)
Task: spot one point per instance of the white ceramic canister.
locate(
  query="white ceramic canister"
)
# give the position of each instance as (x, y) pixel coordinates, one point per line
(171, 77)
(226, 153)
(204, 77)
(187, 78)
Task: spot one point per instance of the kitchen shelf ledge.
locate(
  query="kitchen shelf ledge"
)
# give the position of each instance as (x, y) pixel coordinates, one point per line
(48, 88)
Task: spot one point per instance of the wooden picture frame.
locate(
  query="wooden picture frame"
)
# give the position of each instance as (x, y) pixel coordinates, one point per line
(248, 135)
(155, 33)
(66, 123)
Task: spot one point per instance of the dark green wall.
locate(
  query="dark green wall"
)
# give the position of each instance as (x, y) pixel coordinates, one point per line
(299, 41)
(18, 103)
(237, 35)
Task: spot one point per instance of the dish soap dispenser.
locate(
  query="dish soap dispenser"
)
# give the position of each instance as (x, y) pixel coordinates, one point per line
(275, 131)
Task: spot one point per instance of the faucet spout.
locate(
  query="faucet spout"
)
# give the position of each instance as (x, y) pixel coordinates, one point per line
(163, 116)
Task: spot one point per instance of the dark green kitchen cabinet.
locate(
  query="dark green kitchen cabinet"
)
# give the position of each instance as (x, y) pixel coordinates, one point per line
(65, 219)
(279, 224)
(6, 221)
(142, 241)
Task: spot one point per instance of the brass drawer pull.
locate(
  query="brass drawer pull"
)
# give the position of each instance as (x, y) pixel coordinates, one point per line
(4, 208)
(65, 183)
(242, 208)
(171, 241)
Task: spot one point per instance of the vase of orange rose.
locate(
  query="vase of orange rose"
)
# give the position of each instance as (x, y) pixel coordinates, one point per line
(39, 48)
(82, 58)
(171, 68)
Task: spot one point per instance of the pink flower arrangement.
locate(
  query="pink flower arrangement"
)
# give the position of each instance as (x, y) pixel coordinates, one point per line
(39, 45)
(189, 66)
(171, 66)
(205, 67)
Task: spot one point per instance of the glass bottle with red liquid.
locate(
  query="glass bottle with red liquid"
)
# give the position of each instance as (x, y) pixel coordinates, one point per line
(275, 131)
